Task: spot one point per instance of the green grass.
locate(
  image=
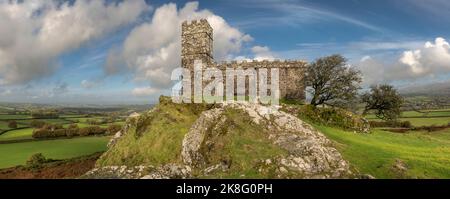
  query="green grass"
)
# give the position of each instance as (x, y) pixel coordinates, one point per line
(19, 134)
(438, 114)
(423, 118)
(427, 121)
(240, 139)
(422, 113)
(4, 125)
(12, 117)
(50, 121)
(17, 153)
(438, 110)
(424, 121)
(84, 119)
(434, 113)
(72, 116)
(156, 139)
(426, 154)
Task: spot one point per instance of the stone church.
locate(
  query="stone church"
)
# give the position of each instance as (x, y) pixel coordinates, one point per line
(197, 44)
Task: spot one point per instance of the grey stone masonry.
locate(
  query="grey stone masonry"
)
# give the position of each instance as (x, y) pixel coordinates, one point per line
(197, 44)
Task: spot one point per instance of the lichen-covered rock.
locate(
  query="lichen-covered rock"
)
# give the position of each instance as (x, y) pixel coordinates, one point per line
(193, 140)
(170, 171)
(233, 140)
(309, 153)
(118, 172)
(140, 172)
(131, 120)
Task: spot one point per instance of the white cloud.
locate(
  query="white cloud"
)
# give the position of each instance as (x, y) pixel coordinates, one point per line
(372, 70)
(144, 91)
(431, 60)
(35, 33)
(152, 50)
(365, 58)
(262, 53)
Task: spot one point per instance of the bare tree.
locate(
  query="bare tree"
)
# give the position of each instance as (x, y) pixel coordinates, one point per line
(332, 81)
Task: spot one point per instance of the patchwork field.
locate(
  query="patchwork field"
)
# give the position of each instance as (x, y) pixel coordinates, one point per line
(17, 153)
(427, 121)
(422, 118)
(17, 144)
(425, 155)
(9, 117)
(19, 134)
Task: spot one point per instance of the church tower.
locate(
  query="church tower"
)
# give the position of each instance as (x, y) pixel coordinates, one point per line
(196, 43)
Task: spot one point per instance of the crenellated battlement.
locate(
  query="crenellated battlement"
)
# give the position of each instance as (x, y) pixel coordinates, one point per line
(261, 64)
(196, 42)
(196, 26)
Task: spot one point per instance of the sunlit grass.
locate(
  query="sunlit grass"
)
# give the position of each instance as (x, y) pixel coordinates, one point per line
(426, 154)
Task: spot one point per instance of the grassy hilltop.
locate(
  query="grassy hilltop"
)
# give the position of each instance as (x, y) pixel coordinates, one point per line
(156, 137)
(230, 141)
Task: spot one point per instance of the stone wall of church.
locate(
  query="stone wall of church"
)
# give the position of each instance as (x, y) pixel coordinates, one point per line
(197, 44)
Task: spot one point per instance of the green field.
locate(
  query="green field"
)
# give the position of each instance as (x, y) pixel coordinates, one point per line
(4, 125)
(426, 154)
(434, 113)
(17, 153)
(422, 118)
(424, 121)
(12, 117)
(428, 121)
(18, 134)
(83, 119)
(407, 114)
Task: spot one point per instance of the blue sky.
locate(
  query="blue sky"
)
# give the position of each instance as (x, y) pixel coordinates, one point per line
(98, 59)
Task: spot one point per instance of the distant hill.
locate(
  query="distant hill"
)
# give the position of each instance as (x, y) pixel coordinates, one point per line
(441, 89)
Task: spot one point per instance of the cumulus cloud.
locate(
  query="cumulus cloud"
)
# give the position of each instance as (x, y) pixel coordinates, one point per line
(144, 91)
(35, 33)
(432, 59)
(262, 53)
(259, 53)
(152, 50)
(373, 71)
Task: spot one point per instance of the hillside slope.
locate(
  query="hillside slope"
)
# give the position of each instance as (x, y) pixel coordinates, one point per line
(237, 140)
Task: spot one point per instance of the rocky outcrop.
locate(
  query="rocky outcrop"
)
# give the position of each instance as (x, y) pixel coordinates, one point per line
(131, 120)
(140, 172)
(306, 153)
(195, 138)
(310, 154)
